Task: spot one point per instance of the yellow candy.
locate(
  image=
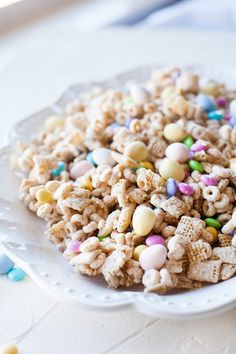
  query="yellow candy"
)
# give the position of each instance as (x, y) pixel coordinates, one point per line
(137, 251)
(146, 164)
(143, 221)
(173, 132)
(172, 169)
(43, 196)
(136, 151)
(54, 122)
(86, 183)
(213, 232)
(8, 349)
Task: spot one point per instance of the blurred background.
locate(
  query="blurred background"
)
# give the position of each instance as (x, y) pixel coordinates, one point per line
(90, 15)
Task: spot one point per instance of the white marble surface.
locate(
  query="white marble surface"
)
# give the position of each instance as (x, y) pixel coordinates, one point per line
(36, 65)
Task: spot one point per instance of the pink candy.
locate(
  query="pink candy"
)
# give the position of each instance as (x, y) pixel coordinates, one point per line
(185, 188)
(153, 257)
(155, 240)
(198, 146)
(178, 152)
(80, 168)
(74, 246)
(208, 180)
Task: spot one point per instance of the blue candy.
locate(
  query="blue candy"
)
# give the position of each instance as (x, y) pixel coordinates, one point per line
(16, 274)
(57, 171)
(215, 115)
(206, 103)
(6, 264)
(129, 120)
(233, 121)
(90, 158)
(171, 187)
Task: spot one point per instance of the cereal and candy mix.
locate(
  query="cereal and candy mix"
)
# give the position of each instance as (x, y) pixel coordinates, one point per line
(139, 185)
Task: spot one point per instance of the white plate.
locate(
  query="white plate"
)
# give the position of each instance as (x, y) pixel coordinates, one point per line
(22, 237)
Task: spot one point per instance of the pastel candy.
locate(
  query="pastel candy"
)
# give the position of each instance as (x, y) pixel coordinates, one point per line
(185, 188)
(232, 108)
(173, 132)
(198, 146)
(171, 169)
(74, 246)
(137, 251)
(16, 274)
(171, 187)
(178, 152)
(80, 168)
(155, 240)
(102, 156)
(8, 349)
(136, 151)
(153, 257)
(206, 103)
(208, 180)
(6, 264)
(144, 219)
(44, 196)
(139, 94)
(90, 158)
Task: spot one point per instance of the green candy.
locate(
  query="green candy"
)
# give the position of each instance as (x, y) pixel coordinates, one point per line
(213, 222)
(196, 166)
(188, 141)
(101, 238)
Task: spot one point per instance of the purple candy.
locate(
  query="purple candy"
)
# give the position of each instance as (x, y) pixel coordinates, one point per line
(171, 187)
(208, 180)
(155, 240)
(221, 102)
(74, 246)
(232, 121)
(198, 146)
(185, 188)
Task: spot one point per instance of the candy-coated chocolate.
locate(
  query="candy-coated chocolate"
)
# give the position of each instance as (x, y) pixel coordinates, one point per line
(90, 158)
(6, 264)
(206, 103)
(44, 196)
(102, 156)
(57, 171)
(209, 180)
(221, 101)
(137, 251)
(171, 187)
(153, 257)
(173, 132)
(136, 150)
(155, 240)
(178, 152)
(185, 188)
(213, 222)
(139, 94)
(143, 220)
(198, 146)
(213, 232)
(147, 165)
(80, 168)
(74, 246)
(188, 141)
(215, 115)
(232, 108)
(8, 349)
(86, 183)
(171, 169)
(16, 274)
(196, 166)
